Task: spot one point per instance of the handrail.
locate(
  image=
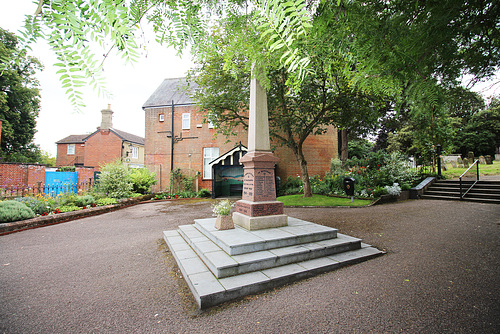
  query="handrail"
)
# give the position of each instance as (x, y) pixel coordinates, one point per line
(462, 195)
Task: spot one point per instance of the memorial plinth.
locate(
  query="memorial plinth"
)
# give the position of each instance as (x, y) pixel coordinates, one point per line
(258, 208)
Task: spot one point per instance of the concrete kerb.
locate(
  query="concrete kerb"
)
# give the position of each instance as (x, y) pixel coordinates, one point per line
(12, 227)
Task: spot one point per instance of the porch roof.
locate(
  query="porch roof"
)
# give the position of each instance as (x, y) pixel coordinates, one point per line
(229, 153)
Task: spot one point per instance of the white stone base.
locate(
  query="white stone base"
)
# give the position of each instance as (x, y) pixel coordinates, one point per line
(259, 223)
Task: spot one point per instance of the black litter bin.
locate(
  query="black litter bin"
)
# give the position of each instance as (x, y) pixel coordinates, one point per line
(349, 186)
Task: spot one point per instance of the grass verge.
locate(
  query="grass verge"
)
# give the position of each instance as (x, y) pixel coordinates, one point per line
(321, 200)
(453, 173)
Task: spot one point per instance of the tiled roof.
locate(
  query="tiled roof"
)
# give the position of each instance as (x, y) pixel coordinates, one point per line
(176, 90)
(73, 139)
(128, 136)
(80, 139)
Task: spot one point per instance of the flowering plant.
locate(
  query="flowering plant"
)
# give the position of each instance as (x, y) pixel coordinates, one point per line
(222, 208)
(394, 190)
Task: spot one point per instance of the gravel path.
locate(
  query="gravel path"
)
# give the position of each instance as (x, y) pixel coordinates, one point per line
(113, 274)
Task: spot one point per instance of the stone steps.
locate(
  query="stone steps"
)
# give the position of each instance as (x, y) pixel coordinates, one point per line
(264, 259)
(483, 191)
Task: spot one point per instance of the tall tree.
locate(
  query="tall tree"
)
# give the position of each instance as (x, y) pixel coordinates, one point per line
(19, 101)
(321, 100)
(416, 43)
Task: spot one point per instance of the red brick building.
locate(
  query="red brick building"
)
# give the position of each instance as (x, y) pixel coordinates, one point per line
(176, 137)
(104, 145)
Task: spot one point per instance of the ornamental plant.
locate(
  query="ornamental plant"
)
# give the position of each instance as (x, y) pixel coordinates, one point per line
(393, 190)
(11, 211)
(114, 180)
(222, 208)
(142, 180)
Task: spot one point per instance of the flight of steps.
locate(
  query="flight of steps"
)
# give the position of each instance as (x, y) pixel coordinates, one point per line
(223, 265)
(483, 191)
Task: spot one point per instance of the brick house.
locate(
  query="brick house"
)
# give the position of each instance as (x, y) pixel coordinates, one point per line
(176, 137)
(102, 146)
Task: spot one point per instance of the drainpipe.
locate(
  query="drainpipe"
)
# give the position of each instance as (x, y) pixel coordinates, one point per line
(172, 141)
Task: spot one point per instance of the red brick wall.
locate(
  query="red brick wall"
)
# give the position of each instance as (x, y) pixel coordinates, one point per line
(63, 159)
(85, 174)
(188, 152)
(101, 148)
(318, 151)
(21, 175)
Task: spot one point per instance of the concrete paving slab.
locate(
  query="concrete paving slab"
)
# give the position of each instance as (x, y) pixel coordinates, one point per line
(205, 284)
(191, 231)
(290, 250)
(220, 260)
(193, 266)
(283, 271)
(354, 255)
(206, 246)
(318, 263)
(186, 254)
(240, 281)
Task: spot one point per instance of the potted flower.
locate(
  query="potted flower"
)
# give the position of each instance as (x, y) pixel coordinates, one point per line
(222, 211)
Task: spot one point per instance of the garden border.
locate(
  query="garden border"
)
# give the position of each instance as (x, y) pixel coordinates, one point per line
(21, 225)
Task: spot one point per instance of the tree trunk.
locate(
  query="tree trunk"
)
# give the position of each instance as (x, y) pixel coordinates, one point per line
(344, 149)
(305, 175)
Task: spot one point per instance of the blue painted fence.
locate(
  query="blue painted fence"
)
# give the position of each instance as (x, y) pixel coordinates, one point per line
(61, 183)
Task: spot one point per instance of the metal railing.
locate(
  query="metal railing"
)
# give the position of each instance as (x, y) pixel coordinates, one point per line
(44, 189)
(462, 194)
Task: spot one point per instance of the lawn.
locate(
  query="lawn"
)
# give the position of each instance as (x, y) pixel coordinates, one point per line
(454, 173)
(321, 200)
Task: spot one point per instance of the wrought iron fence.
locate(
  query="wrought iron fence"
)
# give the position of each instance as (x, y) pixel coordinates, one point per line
(45, 189)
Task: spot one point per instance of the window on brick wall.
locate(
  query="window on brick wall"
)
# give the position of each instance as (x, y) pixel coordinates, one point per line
(162, 117)
(71, 149)
(186, 121)
(135, 152)
(209, 154)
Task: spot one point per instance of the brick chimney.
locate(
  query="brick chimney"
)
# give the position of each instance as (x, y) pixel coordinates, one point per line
(107, 118)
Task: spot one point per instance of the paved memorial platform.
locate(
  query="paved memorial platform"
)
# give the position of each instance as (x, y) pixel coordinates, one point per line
(224, 265)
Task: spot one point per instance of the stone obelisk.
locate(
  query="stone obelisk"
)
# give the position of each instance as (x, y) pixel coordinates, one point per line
(258, 208)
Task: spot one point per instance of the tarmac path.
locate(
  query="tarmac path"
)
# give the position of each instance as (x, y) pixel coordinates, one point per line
(112, 273)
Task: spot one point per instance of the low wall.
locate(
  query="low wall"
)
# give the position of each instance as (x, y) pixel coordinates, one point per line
(21, 175)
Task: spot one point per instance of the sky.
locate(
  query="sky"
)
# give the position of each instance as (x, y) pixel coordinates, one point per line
(130, 84)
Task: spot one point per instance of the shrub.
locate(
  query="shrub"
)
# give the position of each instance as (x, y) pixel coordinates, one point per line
(204, 193)
(396, 169)
(84, 200)
(66, 199)
(142, 180)
(67, 169)
(393, 190)
(185, 194)
(292, 185)
(379, 191)
(114, 180)
(38, 205)
(161, 196)
(11, 211)
(106, 201)
(336, 166)
(68, 208)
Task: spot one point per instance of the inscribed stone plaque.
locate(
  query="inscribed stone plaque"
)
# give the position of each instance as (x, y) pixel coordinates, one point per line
(248, 186)
(264, 187)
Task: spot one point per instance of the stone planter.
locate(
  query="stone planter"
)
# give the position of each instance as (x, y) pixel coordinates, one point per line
(224, 222)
